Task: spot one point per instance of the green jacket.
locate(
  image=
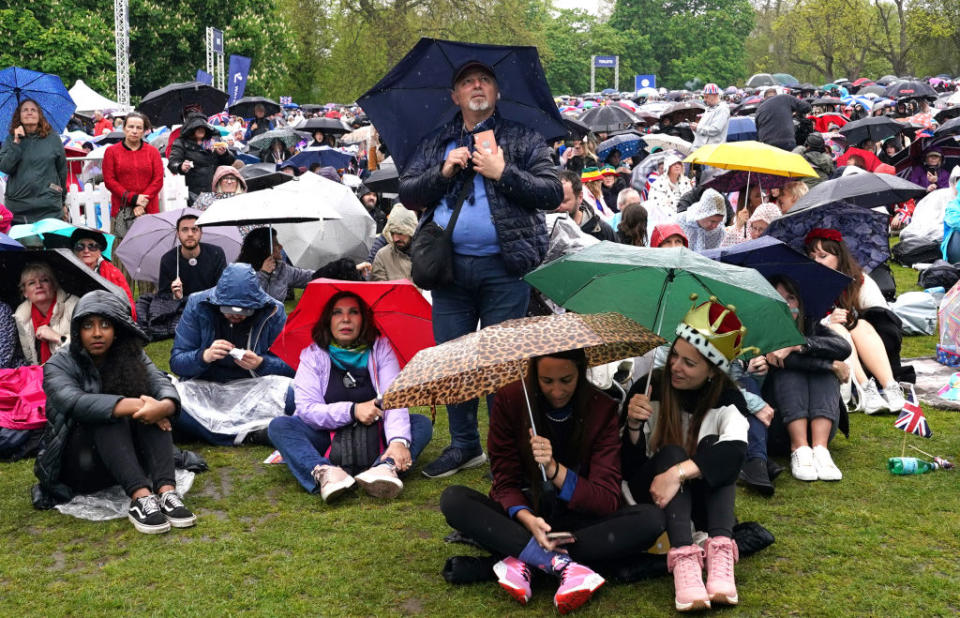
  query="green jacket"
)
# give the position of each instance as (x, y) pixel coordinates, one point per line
(34, 166)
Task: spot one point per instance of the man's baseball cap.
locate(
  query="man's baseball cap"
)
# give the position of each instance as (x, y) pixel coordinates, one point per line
(469, 65)
(227, 309)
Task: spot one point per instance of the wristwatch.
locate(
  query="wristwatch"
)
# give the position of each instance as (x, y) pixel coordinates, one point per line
(402, 441)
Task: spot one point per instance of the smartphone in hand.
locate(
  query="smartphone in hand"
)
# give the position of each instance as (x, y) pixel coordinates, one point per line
(484, 140)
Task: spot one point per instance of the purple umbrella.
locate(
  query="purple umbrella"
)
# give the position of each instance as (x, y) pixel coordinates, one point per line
(151, 236)
(736, 180)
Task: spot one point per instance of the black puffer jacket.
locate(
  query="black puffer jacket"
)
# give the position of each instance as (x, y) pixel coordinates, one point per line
(823, 346)
(205, 162)
(528, 186)
(72, 384)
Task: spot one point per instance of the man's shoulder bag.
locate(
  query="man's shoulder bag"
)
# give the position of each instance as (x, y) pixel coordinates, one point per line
(431, 251)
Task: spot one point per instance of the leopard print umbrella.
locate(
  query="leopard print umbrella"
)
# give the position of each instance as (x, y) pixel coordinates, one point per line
(480, 363)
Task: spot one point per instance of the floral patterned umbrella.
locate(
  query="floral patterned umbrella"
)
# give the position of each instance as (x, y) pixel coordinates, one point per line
(480, 363)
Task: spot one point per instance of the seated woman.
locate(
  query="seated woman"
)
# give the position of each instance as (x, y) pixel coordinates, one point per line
(89, 244)
(109, 411)
(827, 247)
(667, 235)
(802, 385)
(276, 152)
(227, 182)
(573, 517)
(43, 318)
(703, 221)
(337, 388)
(761, 219)
(692, 429)
(276, 277)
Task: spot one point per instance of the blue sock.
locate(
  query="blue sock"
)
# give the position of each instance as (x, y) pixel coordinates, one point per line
(538, 557)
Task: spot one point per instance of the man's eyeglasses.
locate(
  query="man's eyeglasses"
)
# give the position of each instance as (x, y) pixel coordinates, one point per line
(86, 246)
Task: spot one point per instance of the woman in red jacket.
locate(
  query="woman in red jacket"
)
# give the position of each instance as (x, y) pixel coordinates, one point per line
(88, 245)
(133, 173)
(575, 516)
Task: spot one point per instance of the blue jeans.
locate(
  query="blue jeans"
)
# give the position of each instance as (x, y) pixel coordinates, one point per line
(756, 439)
(484, 292)
(303, 447)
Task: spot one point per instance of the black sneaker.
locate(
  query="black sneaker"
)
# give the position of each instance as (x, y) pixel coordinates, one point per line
(146, 517)
(452, 460)
(755, 476)
(774, 469)
(175, 512)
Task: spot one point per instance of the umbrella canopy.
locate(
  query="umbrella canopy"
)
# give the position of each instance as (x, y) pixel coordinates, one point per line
(400, 313)
(910, 89)
(324, 155)
(668, 142)
(348, 233)
(653, 286)
(72, 275)
(263, 176)
(819, 285)
(876, 128)
(329, 126)
(628, 145)
(950, 127)
(608, 118)
(9, 244)
(414, 97)
(684, 111)
(728, 182)
(246, 106)
(165, 106)
(151, 236)
(482, 362)
(46, 90)
(285, 203)
(876, 89)
(575, 128)
(384, 180)
(864, 189)
(863, 230)
(52, 234)
(112, 137)
(752, 157)
(288, 136)
(760, 80)
(741, 129)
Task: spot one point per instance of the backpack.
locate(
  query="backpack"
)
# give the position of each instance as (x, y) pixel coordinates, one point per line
(22, 400)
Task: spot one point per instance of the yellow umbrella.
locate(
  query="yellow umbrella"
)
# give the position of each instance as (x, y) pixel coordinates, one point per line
(752, 156)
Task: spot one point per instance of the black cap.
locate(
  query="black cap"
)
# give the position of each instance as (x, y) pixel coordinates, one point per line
(87, 232)
(815, 142)
(471, 64)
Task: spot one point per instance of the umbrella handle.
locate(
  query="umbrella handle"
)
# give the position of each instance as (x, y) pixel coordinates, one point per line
(533, 425)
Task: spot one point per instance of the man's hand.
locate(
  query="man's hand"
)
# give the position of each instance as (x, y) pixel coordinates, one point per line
(455, 161)
(757, 365)
(765, 415)
(489, 165)
(250, 361)
(217, 350)
(176, 288)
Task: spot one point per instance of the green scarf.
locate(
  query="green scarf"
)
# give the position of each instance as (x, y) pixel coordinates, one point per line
(349, 358)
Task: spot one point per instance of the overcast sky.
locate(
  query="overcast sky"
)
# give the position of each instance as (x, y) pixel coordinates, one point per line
(591, 6)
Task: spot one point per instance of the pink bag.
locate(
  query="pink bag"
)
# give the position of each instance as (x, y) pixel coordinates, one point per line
(22, 400)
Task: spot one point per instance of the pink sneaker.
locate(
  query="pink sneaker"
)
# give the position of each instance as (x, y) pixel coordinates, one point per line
(381, 481)
(514, 576)
(686, 564)
(722, 554)
(577, 585)
(333, 481)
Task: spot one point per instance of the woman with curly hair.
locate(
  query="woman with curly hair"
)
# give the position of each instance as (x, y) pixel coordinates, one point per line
(108, 412)
(33, 158)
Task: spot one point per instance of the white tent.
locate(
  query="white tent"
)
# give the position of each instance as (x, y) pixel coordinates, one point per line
(89, 100)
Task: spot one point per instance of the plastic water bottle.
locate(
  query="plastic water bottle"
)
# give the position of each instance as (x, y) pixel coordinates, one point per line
(909, 465)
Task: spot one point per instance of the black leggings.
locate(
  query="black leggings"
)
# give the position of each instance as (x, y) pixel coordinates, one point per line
(122, 452)
(627, 532)
(710, 508)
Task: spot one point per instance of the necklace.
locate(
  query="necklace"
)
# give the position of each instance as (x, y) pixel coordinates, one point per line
(554, 419)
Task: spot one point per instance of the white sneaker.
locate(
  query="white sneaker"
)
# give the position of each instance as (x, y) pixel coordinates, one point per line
(823, 462)
(801, 464)
(894, 396)
(381, 481)
(873, 403)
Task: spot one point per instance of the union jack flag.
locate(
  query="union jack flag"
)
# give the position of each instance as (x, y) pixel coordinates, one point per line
(911, 419)
(222, 118)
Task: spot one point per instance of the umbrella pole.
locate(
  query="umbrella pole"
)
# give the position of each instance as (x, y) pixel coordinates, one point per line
(533, 425)
(656, 329)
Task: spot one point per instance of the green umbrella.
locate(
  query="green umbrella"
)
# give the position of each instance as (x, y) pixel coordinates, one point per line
(653, 287)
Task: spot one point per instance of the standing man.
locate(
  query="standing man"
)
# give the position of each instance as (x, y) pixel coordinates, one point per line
(201, 264)
(258, 124)
(712, 126)
(775, 119)
(500, 234)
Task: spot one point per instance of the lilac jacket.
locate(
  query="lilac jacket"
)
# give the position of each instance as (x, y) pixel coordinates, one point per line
(310, 384)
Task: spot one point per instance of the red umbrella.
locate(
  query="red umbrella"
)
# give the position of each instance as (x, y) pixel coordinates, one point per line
(400, 313)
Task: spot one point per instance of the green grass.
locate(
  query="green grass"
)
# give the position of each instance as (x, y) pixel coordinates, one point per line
(872, 544)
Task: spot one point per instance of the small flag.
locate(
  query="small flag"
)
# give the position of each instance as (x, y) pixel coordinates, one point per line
(274, 458)
(286, 100)
(911, 419)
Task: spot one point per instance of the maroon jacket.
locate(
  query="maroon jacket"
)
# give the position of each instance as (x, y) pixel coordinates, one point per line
(598, 486)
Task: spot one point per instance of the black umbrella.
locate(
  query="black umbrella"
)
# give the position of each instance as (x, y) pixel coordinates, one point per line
(288, 136)
(413, 99)
(683, 110)
(864, 189)
(384, 180)
(330, 126)
(165, 106)
(910, 89)
(263, 176)
(608, 118)
(826, 101)
(109, 138)
(887, 79)
(951, 127)
(876, 128)
(72, 275)
(575, 128)
(246, 107)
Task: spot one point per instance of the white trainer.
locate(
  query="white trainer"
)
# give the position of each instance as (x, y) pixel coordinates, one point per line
(801, 464)
(894, 396)
(823, 462)
(873, 403)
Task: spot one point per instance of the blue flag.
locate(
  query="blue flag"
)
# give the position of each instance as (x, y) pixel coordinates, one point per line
(237, 77)
(204, 78)
(644, 81)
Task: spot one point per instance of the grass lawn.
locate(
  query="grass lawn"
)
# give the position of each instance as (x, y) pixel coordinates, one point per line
(872, 544)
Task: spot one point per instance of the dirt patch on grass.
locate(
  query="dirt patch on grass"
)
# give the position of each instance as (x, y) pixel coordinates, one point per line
(412, 606)
(218, 487)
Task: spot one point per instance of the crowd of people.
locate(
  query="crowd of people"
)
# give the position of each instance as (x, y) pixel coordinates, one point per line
(588, 477)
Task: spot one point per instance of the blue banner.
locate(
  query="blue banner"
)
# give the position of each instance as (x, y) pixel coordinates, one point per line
(204, 78)
(237, 77)
(606, 62)
(644, 81)
(217, 41)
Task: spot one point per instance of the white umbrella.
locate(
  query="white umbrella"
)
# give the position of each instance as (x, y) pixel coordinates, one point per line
(668, 142)
(314, 244)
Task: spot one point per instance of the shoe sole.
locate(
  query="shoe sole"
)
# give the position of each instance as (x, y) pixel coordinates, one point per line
(724, 599)
(148, 528)
(381, 488)
(182, 522)
(520, 595)
(575, 598)
(476, 462)
(338, 492)
(806, 480)
(764, 490)
(693, 606)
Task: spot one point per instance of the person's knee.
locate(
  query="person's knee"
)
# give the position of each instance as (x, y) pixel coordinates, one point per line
(280, 425)
(452, 500)
(421, 428)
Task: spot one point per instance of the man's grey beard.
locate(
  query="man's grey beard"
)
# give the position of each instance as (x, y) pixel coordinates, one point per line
(479, 106)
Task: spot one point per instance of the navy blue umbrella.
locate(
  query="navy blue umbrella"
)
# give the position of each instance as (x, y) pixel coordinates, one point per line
(628, 144)
(9, 244)
(818, 285)
(324, 155)
(741, 129)
(413, 99)
(47, 90)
